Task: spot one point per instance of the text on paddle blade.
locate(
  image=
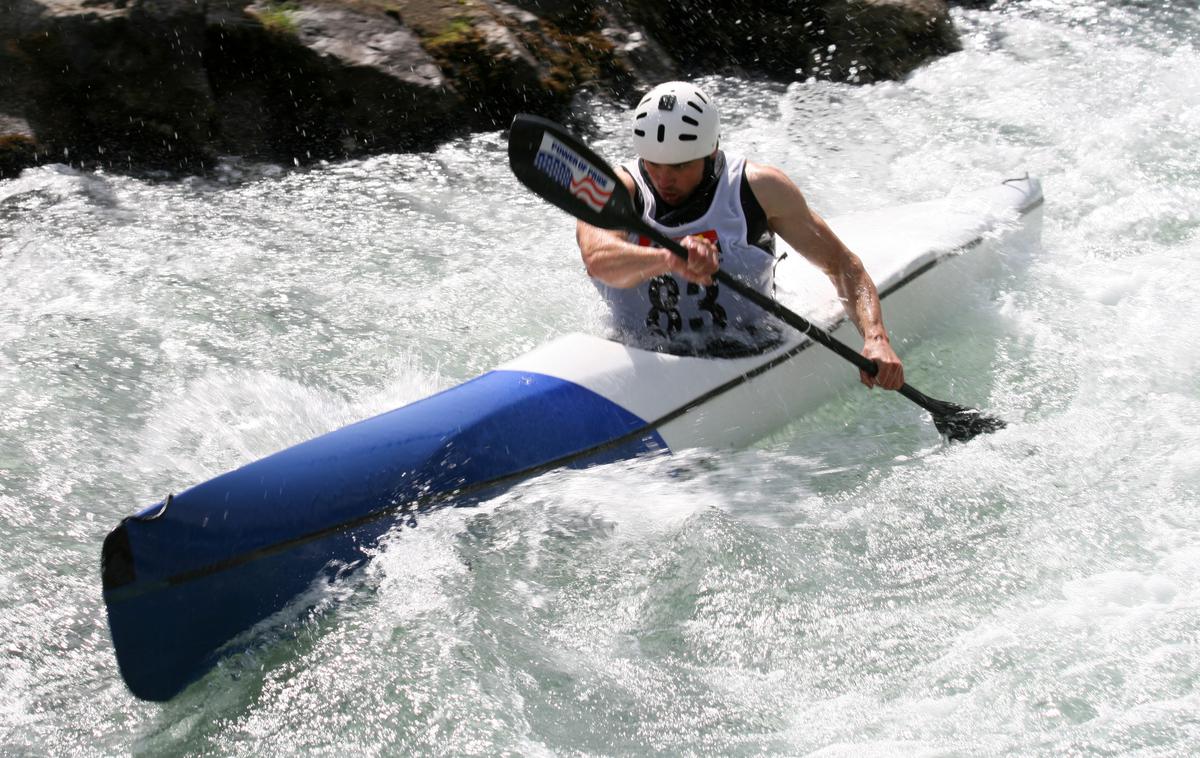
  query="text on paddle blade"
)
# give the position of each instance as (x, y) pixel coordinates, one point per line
(576, 175)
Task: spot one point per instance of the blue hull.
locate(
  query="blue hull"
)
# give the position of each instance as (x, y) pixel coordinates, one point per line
(184, 577)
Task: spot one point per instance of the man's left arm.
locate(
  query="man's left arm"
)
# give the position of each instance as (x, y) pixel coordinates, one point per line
(791, 218)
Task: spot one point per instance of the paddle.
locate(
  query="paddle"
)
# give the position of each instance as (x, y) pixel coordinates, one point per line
(553, 163)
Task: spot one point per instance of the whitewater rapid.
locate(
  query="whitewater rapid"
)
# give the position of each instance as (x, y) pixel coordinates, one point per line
(849, 586)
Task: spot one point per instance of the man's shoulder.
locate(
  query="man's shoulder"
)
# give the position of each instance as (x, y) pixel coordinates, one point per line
(764, 173)
(770, 184)
(627, 170)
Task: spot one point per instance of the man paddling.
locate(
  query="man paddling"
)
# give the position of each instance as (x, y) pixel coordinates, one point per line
(726, 211)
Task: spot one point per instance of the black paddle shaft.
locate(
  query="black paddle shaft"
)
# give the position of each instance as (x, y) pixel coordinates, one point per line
(558, 167)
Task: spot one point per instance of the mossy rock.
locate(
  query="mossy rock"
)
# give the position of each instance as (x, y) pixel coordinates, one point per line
(277, 18)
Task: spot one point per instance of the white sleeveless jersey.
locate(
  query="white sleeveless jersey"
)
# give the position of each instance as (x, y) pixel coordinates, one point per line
(668, 307)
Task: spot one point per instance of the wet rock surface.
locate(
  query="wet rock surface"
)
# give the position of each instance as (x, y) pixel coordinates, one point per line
(171, 85)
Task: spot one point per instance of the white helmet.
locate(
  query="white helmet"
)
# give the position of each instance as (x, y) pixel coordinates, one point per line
(674, 123)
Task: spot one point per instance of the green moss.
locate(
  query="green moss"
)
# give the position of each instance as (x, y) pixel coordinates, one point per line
(500, 84)
(459, 30)
(277, 17)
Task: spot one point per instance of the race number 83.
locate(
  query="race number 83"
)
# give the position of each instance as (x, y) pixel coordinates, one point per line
(664, 301)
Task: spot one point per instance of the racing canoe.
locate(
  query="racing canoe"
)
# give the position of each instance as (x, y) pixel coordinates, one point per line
(187, 575)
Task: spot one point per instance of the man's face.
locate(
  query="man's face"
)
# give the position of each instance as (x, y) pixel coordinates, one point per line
(675, 182)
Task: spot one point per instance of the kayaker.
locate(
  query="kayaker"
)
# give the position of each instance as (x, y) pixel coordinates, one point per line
(726, 211)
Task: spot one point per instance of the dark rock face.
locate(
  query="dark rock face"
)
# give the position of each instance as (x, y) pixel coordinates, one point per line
(844, 40)
(885, 39)
(116, 84)
(172, 84)
(321, 81)
(18, 148)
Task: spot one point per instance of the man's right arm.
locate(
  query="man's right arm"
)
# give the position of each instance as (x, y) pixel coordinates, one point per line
(618, 263)
(611, 258)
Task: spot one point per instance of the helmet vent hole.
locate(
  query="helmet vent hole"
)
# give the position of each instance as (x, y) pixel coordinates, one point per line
(697, 107)
(640, 132)
(643, 114)
(703, 99)
(690, 120)
(662, 133)
(688, 138)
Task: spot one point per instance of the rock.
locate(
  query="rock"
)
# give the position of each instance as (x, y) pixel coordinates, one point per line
(300, 82)
(640, 54)
(870, 40)
(172, 84)
(570, 16)
(843, 40)
(118, 84)
(504, 59)
(18, 145)
(491, 66)
(18, 148)
(518, 16)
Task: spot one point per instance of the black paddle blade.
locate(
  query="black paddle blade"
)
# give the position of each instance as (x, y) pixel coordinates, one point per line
(954, 422)
(959, 424)
(558, 167)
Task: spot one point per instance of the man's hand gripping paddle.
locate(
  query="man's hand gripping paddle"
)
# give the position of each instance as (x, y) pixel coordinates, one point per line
(553, 163)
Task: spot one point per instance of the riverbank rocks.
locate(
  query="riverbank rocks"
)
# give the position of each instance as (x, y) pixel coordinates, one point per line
(172, 85)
